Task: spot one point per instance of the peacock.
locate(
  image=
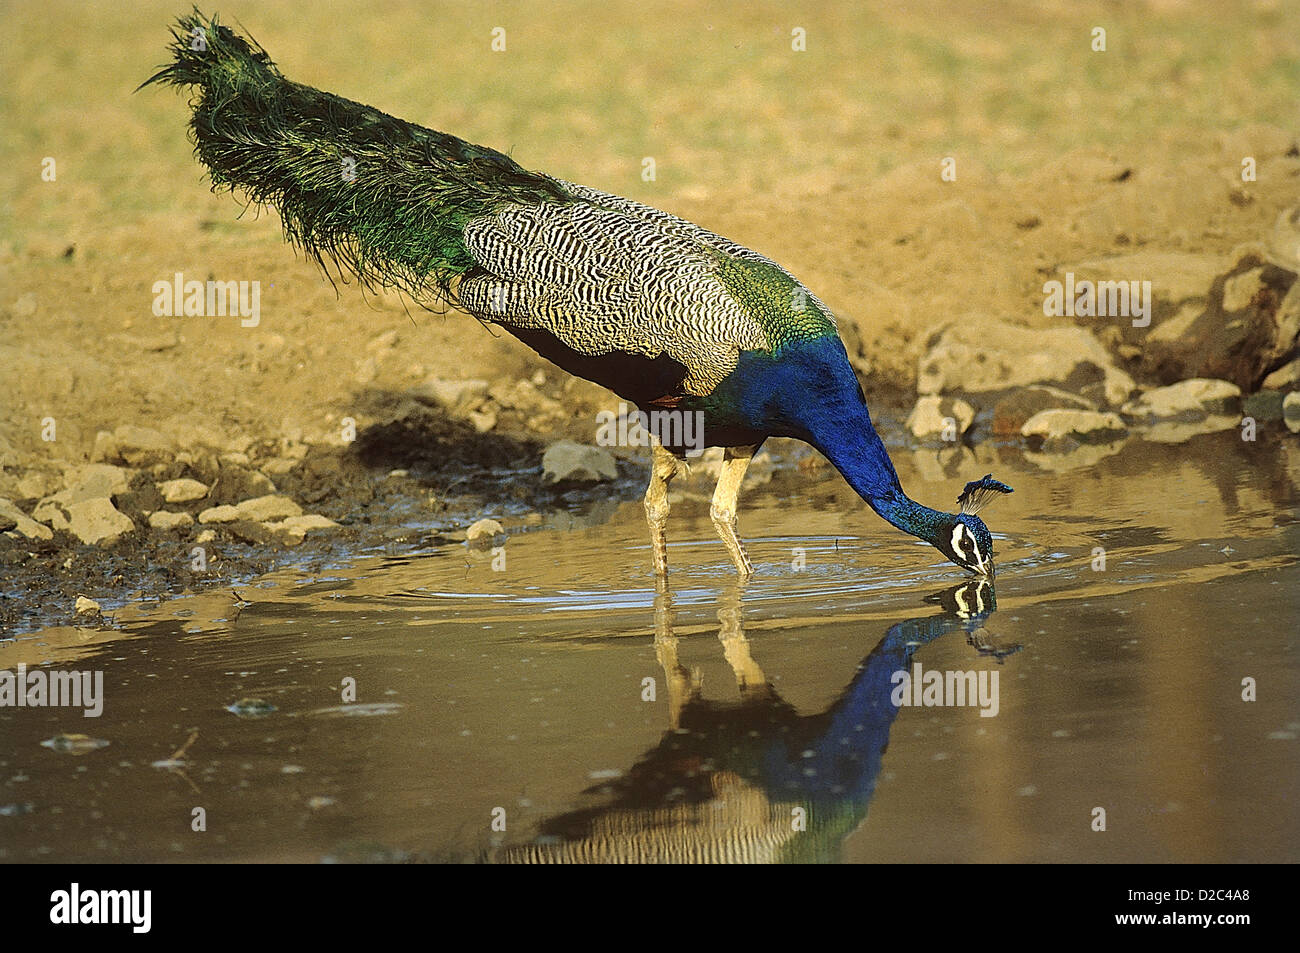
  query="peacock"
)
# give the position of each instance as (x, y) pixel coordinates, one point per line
(662, 312)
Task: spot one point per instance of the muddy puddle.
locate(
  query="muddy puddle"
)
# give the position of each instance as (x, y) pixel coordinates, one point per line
(544, 702)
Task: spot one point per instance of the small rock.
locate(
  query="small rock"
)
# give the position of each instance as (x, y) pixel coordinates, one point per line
(162, 519)
(182, 491)
(98, 522)
(488, 528)
(1188, 400)
(1018, 406)
(219, 514)
(11, 517)
(940, 418)
(310, 521)
(96, 481)
(483, 421)
(295, 528)
(279, 466)
(142, 446)
(1291, 411)
(566, 460)
(1061, 429)
(84, 606)
(1285, 377)
(265, 509)
(207, 536)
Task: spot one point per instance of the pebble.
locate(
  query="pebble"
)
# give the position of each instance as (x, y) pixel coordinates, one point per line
(1080, 426)
(1291, 411)
(11, 517)
(940, 418)
(164, 520)
(219, 514)
(567, 460)
(182, 491)
(263, 509)
(488, 528)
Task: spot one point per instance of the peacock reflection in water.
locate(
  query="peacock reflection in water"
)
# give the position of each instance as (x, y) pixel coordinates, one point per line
(754, 781)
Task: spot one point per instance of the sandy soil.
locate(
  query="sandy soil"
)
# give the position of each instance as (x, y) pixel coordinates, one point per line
(827, 159)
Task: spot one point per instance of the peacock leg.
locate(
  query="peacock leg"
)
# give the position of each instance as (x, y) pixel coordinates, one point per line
(723, 511)
(663, 467)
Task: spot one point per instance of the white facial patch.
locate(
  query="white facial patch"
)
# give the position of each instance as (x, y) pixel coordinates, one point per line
(964, 545)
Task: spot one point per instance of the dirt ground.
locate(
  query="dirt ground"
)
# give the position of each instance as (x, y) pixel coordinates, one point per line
(826, 158)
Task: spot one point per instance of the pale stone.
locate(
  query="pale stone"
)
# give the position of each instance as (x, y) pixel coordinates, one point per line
(182, 491)
(484, 527)
(164, 520)
(97, 521)
(567, 460)
(219, 514)
(11, 517)
(1285, 377)
(263, 509)
(1191, 399)
(1291, 411)
(938, 418)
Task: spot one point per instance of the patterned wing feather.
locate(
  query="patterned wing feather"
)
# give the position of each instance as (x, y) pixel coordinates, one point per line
(606, 275)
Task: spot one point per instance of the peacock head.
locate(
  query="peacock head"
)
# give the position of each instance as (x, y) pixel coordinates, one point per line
(964, 538)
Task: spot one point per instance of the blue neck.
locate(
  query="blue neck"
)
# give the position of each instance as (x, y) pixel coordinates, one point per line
(828, 405)
(849, 440)
(809, 391)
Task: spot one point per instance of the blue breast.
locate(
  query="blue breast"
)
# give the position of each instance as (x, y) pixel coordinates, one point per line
(795, 392)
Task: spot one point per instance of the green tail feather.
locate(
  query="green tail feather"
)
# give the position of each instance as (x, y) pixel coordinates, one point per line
(398, 222)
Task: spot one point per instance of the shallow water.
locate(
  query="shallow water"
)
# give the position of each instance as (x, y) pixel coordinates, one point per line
(561, 697)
